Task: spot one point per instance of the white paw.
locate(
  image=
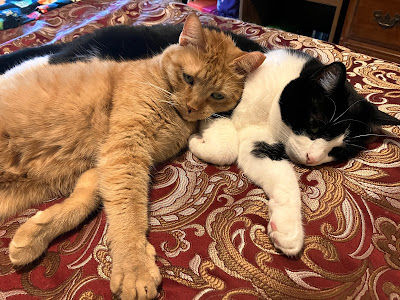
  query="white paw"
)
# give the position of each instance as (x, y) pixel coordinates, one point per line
(195, 140)
(287, 235)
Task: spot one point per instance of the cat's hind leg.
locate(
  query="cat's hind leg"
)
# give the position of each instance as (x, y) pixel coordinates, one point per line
(216, 143)
(266, 166)
(15, 199)
(33, 237)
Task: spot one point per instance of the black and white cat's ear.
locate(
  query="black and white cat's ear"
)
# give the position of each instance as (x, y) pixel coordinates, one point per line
(248, 62)
(380, 118)
(331, 76)
(192, 32)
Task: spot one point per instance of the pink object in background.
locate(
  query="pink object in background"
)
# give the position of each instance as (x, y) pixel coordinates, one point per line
(207, 6)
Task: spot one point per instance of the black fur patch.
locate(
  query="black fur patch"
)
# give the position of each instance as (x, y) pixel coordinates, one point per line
(116, 43)
(10, 60)
(274, 151)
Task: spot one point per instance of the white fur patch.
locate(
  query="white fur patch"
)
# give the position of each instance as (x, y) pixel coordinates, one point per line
(26, 65)
(302, 150)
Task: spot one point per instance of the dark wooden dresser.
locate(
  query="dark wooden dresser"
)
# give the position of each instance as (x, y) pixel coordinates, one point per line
(373, 27)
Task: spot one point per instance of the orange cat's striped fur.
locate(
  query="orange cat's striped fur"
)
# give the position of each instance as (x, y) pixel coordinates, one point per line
(92, 130)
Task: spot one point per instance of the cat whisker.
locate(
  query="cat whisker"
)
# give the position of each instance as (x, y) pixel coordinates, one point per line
(349, 120)
(168, 102)
(283, 132)
(368, 134)
(153, 53)
(346, 110)
(334, 111)
(354, 145)
(157, 87)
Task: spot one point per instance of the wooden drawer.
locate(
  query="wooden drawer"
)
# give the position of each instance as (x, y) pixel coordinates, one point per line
(371, 28)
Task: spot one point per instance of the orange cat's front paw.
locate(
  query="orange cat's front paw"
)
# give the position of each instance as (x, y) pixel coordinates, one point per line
(136, 276)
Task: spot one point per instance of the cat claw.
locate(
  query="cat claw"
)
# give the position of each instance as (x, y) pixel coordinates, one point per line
(290, 243)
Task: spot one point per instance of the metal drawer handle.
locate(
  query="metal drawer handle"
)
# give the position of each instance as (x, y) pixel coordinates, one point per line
(386, 20)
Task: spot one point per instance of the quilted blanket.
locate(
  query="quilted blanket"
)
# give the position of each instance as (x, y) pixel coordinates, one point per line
(208, 223)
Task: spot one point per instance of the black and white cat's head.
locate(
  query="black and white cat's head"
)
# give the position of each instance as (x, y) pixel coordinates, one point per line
(324, 119)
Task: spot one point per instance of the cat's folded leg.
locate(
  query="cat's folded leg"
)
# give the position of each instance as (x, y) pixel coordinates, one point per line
(267, 167)
(217, 142)
(34, 236)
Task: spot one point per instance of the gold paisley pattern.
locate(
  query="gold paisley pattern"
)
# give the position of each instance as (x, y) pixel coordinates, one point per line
(208, 223)
(387, 240)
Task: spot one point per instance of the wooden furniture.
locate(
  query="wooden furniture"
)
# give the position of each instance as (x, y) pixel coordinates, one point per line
(338, 6)
(373, 27)
(254, 11)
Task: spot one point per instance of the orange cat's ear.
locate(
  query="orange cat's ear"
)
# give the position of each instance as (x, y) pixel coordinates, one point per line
(192, 33)
(248, 62)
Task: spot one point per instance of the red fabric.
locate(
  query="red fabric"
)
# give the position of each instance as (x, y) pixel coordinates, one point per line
(208, 223)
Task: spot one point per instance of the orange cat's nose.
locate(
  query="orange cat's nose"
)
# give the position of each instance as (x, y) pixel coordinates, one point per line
(190, 109)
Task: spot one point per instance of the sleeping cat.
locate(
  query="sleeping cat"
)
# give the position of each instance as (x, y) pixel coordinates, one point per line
(93, 129)
(293, 108)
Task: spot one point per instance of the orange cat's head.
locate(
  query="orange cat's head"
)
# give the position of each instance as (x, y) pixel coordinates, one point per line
(206, 71)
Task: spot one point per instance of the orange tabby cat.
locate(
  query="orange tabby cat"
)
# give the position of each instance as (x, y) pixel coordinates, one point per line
(95, 128)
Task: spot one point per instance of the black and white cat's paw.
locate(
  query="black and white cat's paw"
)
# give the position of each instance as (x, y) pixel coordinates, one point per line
(196, 145)
(286, 233)
(217, 142)
(195, 140)
(213, 150)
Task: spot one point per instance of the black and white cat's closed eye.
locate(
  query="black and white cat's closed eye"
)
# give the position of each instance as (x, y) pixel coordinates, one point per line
(189, 79)
(315, 126)
(217, 96)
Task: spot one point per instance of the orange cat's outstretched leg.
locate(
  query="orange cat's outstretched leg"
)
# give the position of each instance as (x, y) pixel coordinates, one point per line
(33, 237)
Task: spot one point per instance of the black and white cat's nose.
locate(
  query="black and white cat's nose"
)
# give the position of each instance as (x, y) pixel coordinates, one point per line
(311, 160)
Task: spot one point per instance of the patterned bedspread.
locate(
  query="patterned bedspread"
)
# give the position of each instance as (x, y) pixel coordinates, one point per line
(208, 223)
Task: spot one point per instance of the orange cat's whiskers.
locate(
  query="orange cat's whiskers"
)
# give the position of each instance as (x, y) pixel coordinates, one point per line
(167, 93)
(168, 102)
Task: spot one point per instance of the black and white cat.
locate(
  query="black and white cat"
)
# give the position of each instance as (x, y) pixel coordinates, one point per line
(293, 109)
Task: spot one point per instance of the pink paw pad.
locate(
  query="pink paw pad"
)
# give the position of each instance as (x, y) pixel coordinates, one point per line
(273, 226)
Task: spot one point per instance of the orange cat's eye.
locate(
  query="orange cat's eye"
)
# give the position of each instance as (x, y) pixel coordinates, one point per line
(217, 96)
(189, 79)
